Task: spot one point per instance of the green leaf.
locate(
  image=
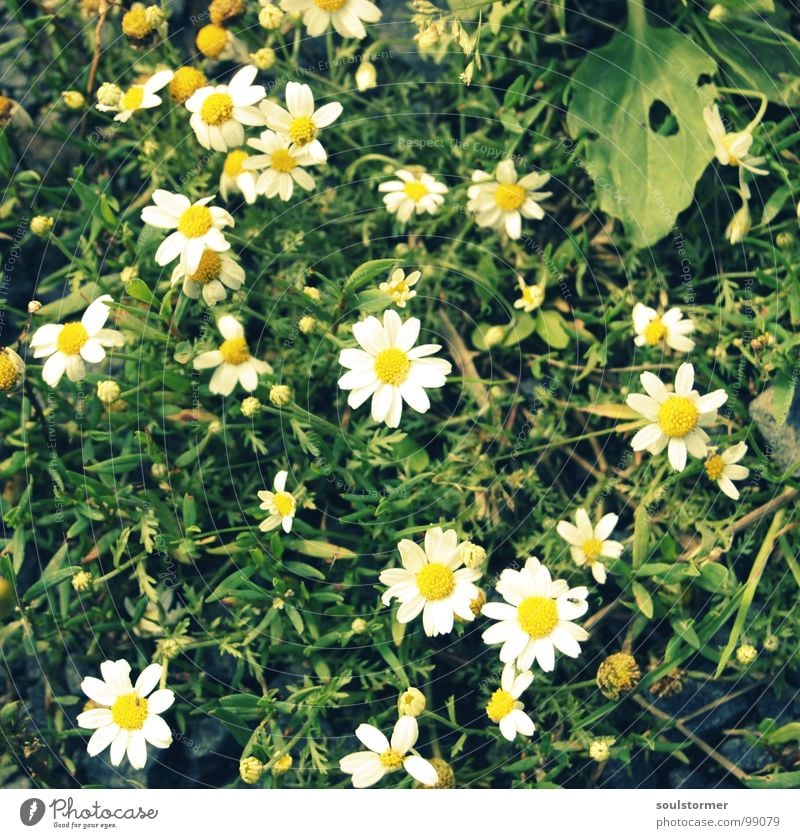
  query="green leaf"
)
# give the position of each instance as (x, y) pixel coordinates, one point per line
(366, 272)
(551, 329)
(137, 288)
(643, 177)
(641, 535)
(786, 780)
(322, 550)
(643, 600)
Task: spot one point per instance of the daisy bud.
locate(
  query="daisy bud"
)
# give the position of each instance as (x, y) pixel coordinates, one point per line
(137, 28)
(717, 13)
(599, 750)
(312, 293)
(223, 10)
(7, 598)
(739, 225)
(11, 368)
(280, 395)
(215, 427)
(263, 58)
(158, 470)
(784, 240)
(746, 654)
(445, 774)
(82, 581)
(73, 99)
(411, 703)
(366, 76)
(250, 406)
(109, 94)
(128, 274)
(41, 225)
(270, 16)
(185, 82)
(473, 555)
(155, 16)
(107, 391)
(250, 770)
(34, 306)
(618, 674)
(307, 324)
(282, 764)
(358, 626)
(771, 643)
(168, 648)
(493, 335)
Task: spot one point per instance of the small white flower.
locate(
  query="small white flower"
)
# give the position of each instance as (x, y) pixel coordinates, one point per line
(412, 193)
(130, 714)
(232, 360)
(588, 544)
(532, 296)
(138, 97)
(676, 419)
(197, 227)
(69, 347)
(237, 177)
(279, 166)
(299, 121)
(502, 200)
(219, 112)
(671, 328)
(400, 287)
(733, 149)
(390, 369)
(505, 709)
(280, 504)
(366, 76)
(215, 273)
(723, 469)
(345, 16)
(383, 757)
(536, 618)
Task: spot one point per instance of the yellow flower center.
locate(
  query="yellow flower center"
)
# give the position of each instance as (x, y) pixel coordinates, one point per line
(391, 760)
(129, 711)
(211, 40)
(392, 366)
(591, 549)
(500, 705)
(195, 221)
(235, 351)
(415, 190)
(282, 161)
(284, 503)
(302, 130)
(435, 581)
(234, 162)
(71, 338)
(654, 332)
(677, 416)
(715, 466)
(537, 615)
(509, 196)
(216, 109)
(9, 371)
(208, 269)
(135, 25)
(185, 82)
(132, 99)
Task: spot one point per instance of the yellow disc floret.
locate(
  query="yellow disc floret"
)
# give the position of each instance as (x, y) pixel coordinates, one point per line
(284, 503)
(654, 332)
(715, 466)
(132, 99)
(415, 190)
(217, 109)
(591, 548)
(222, 10)
(211, 40)
(208, 269)
(330, 5)
(302, 130)
(235, 351)
(129, 711)
(391, 760)
(618, 674)
(677, 416)
(509, 196)
(537, 616)
(135, 24)
(282, 161)
(185, 82)
(195, 221)
(435, 581)
(500, 705)
(71, 338)
(392, 366)
(9, 371)
(234, 162)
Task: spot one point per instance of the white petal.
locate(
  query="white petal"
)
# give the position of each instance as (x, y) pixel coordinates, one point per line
(372, 738)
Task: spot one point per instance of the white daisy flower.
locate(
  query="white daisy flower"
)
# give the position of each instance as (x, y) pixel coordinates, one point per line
(733, 149)
(139, 96)
(676, 419)
(390, 369)
(280, 504)
(400, 287)
(502, 200)
(531, 296)
(237, 177)
(588, 544)
(232, 360)
(383, 757)
(69, 347)
(219, 112)
(279, 166)
(536, 618)
(345, 16)
(432, 581)
(671, 328)
(197, 228)
(129, 716)
(412, 193)
(215, 273)
(300, 122)
(505, 709)
(723, 469)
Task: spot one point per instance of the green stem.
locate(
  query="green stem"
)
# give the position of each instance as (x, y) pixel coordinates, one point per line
(637, 19)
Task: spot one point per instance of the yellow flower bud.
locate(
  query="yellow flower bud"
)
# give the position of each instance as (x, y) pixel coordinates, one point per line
(411, 703)
(280, 394)
(41, 225)
(366, 76)
(82, 581)
(270, 16)
(250, 406)
(73, 99)
(746, 654)
(618, 674)
(263, 58)
(107, 391)
(251, 770)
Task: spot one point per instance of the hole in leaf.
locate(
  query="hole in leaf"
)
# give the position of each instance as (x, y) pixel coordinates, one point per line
(703, 79)
(662, 120)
